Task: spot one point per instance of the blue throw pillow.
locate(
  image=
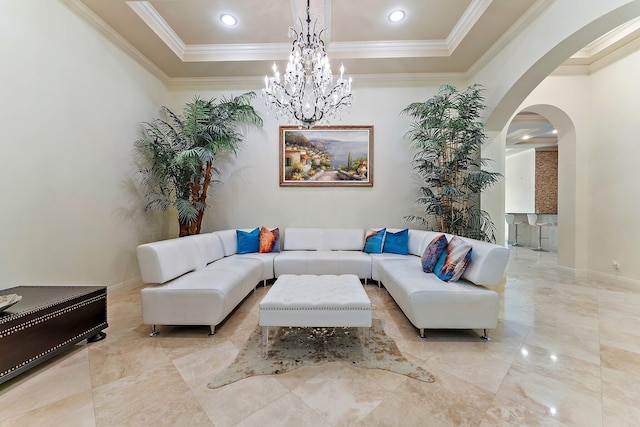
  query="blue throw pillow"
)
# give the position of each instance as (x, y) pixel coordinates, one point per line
(373, 241)
(397, 243)
(432, 253)
(454, 260)
(248, 241)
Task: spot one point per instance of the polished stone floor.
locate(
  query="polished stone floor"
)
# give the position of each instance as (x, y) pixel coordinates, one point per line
(566, 353)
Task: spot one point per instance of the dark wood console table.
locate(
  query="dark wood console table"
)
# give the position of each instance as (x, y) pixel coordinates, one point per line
(47, 321)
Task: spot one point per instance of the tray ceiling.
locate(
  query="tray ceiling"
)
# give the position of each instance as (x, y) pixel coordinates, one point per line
(182, 39)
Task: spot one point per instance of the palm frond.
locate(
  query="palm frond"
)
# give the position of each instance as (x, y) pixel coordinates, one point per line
(176, 154)
(448, 136)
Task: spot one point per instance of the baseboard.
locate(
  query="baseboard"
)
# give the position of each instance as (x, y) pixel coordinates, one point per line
(126, 286)
(622, 282)
(580, 272)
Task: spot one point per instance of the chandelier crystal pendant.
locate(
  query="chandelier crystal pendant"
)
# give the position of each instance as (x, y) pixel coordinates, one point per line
(306, 94)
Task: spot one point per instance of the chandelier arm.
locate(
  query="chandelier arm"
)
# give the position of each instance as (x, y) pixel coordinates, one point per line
(305, 91)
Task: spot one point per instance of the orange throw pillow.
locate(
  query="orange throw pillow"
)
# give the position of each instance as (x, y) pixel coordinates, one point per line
(267, 238)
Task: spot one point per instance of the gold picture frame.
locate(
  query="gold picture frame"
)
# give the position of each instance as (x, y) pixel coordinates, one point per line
(326, 156)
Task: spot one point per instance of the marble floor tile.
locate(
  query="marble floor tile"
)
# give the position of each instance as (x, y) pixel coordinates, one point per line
(566, 352)
(76, 410)
(157, 396)
(287, 411)
(344, 395)
(54, 381)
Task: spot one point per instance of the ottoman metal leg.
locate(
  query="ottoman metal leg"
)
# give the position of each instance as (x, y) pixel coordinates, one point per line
(364, 341)
(265, 341)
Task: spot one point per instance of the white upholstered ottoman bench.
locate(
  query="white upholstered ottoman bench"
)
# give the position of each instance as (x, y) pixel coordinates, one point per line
(315, 301)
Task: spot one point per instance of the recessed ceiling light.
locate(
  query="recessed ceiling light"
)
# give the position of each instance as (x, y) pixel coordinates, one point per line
(396, 16)
(228, 20)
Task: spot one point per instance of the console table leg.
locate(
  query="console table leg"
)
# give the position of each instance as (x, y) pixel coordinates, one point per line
(97, 337)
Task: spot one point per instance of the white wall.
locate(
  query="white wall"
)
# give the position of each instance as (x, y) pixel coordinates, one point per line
(614, 153)
(71, 102)
(251, 196)
(520, 181)
(598, 172)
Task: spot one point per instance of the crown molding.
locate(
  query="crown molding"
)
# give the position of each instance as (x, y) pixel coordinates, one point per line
(572, 70)
(469, 18)
(270, 51)
(103, 28)
(362, 80)
(156, 22)
(608, 40)
(631, 47)
(235, 52)
(532, 13)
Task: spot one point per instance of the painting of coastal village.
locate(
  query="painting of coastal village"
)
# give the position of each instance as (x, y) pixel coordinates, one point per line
(326, 156)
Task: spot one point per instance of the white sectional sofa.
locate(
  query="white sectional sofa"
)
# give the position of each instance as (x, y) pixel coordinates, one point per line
(199, 280)
(323, 251)
(193, 282)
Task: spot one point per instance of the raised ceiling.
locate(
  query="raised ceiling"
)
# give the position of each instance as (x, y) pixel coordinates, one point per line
(184, 39)
(531, 130)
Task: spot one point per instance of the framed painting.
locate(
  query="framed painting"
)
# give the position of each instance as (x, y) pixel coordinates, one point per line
(326, 156)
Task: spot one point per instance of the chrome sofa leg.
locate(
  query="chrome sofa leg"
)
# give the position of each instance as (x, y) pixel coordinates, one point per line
(485, 336)
(422, 335)
(213, 330)
(154, 331)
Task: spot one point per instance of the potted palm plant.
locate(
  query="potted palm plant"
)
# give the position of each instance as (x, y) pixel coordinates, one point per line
(178, 153)
(448, 136)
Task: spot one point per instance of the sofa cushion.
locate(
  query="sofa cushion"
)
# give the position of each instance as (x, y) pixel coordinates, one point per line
(488, 263)
(248, 242)
(454, 260)
(323, 239)
(432, 253)
(303, 239)
(373, 241)
(430, 303)
(343, 239)
(376, 259)
(323, 262)
(396, 243)
(269, 240)
(229, 239)
(165, 260)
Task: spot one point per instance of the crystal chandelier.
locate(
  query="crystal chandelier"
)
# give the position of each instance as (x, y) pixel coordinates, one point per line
(305, 94)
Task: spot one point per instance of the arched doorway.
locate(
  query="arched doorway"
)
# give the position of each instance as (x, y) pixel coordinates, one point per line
(544, 119)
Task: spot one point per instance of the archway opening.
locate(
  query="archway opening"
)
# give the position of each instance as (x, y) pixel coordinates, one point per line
(540, 178)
